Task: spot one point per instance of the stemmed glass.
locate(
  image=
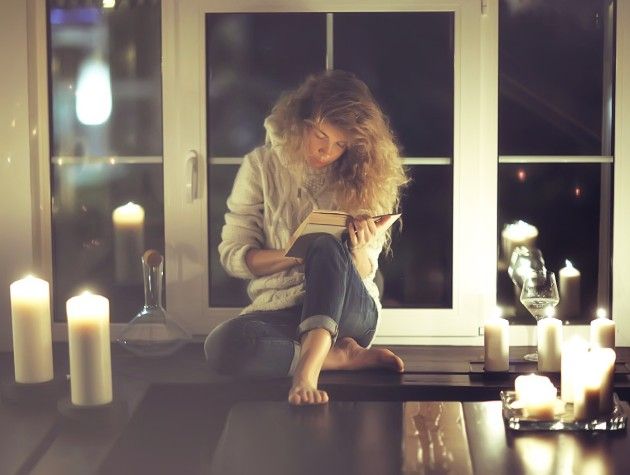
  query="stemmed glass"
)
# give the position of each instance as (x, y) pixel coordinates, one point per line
(539, 295)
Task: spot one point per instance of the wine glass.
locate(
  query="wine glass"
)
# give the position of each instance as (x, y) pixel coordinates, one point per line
(539, 296)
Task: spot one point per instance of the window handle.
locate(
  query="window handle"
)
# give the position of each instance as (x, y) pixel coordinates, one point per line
(192, 176)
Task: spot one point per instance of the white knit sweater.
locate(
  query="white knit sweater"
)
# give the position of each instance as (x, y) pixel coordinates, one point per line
(266, 205)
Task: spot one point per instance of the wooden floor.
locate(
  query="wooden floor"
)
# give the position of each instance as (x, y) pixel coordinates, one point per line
(178, 412)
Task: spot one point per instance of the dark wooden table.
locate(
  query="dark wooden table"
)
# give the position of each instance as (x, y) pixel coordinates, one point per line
(438, 417)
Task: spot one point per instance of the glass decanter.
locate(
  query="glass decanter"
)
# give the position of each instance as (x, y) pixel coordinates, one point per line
(152, 332)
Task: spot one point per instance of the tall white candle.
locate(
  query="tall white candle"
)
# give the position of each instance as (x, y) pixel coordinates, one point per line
(90, 358)
(32, 335)
(602, 331)
(549, 333)
(569, 306)
(496, 343)
(128, 242)
(516, 234)
(594, 386)
(573, 352)
(606, 365)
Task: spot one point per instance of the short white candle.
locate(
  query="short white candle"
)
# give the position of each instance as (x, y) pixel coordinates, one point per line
(602, 331)
(573, 352)
(32, 335)
(128, 241)
(537, 396)
(90, 357)
(569, 306)
(516, 234)
(496, 344)
(594, 386)
(549, 333)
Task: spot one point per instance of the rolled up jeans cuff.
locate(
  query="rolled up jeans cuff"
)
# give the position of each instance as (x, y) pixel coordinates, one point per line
(319, 321)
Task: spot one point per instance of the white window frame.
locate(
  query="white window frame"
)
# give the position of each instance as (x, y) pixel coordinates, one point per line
(475, 198)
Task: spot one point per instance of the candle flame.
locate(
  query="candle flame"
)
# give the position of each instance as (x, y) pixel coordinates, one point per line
(498, 312)
(568, 264)
(550, 311)
(601, 313)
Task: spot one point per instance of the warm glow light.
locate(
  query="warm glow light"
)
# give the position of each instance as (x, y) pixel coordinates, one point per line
(522, 175)
(550, 311)
(577, 191)
(94, 92)
(601, 313)
(109, 3)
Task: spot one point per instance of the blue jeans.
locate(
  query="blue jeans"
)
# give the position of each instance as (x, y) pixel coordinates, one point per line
(267, 343)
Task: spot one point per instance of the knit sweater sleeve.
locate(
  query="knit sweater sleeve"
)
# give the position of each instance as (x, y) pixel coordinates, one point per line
(243, 228)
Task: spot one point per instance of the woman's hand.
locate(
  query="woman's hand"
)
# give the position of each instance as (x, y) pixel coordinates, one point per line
(361, 231)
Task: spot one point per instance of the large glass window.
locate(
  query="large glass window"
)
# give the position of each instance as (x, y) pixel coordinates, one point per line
(407, 61)
(555, 144)
(106, 147)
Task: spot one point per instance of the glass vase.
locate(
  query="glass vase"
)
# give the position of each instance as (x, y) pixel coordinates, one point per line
(152, 332)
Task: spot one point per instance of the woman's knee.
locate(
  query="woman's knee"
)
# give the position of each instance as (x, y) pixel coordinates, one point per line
(328, 245)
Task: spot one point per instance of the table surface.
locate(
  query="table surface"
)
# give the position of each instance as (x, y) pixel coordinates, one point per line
(437, 417)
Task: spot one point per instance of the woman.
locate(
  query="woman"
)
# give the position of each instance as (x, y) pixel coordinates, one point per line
(328, 146)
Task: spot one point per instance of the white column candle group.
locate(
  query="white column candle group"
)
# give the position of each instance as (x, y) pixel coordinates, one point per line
(32, 334)
(602, 331)
(549, 333)
(569, 306)
(128, 242)
(496, 343)
(90, 358)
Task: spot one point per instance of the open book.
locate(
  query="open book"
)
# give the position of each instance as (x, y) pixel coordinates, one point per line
(320, 222)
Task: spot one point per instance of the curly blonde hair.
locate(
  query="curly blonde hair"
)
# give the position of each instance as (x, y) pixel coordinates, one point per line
(369, 177)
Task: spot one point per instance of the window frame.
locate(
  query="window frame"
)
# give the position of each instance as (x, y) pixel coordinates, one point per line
(473, 298)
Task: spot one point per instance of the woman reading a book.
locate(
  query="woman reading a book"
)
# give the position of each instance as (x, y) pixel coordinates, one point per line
(328, 147)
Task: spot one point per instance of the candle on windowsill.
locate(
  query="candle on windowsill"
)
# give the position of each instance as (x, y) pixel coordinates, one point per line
(536, 395)
(549, 334)
(516, 234)
(128, 242)
(602, 331)
(90, 357)
(496, 344)
(32, 334)
(569, 306)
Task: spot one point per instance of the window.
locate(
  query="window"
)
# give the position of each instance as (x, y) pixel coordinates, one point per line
(106, 147)
(555, 142)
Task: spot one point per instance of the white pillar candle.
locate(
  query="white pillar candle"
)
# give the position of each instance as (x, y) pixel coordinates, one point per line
(32, 335)
(128, 242)
(573, 352)
(602, 331)
(496, 344)
(605, 358)
(594, 386)
(90, 358)
(537, 396)
(516, 234)
(569, 306)
(549, 333)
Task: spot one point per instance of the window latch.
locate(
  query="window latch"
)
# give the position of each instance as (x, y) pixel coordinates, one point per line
(192, 176)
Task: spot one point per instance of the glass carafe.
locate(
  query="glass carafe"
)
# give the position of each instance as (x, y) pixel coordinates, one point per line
(152, 332)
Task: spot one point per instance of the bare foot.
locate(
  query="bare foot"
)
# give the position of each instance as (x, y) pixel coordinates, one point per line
(302, 393)
(349, 355)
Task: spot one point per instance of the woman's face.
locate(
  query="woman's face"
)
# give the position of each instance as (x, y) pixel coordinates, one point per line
(324, 143)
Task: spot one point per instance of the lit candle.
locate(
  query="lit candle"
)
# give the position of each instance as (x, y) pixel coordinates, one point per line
(602, 331)
(496, 344)
(536, 395)
(128, 242)
(90, 358)
(32, 335)
(549, 333)
(594, 387)
(516, 234)
(573, 352)
(569, 306)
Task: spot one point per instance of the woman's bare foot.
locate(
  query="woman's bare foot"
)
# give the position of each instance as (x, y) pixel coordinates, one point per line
(302, 393)
(315, 347)
(349, 355)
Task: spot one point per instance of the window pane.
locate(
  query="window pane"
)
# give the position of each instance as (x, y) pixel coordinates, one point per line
(550, 77)
(420, 272)
(107, 147)
(563, 202)
(249, 63)
(407, 61)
